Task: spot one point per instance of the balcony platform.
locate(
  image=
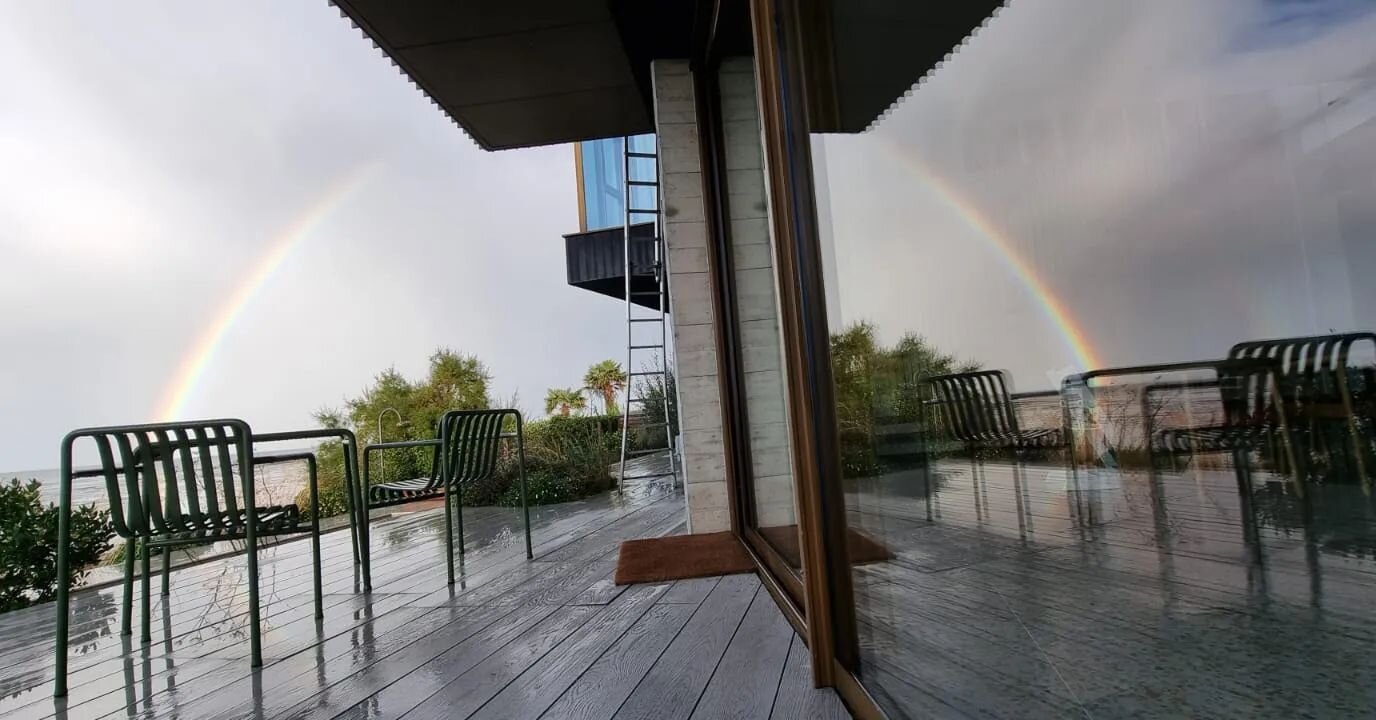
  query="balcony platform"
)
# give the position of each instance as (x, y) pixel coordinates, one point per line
(549, 638)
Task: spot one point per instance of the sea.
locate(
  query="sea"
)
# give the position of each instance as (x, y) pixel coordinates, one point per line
(275, 484)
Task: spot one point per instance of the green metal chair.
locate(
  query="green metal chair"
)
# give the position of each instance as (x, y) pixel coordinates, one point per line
(468, 445)
(172, 484)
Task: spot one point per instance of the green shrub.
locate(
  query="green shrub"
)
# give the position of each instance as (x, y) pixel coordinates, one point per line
(333, 492)
(542, 488)
(580, 449)
(28, 544)
(567, 458)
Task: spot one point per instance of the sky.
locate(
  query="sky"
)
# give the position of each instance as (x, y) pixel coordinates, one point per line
(155, 157)
(1118, 183)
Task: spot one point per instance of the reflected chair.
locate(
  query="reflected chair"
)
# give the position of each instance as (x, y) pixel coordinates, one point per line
(1322, 391)
(1251, 418)
(177, 484)
(977, 409)
(467, 448)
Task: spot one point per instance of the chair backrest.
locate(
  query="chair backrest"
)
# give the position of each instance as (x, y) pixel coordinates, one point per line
(473, 442)
(170, 477)
(1312, 368)
(975, 406)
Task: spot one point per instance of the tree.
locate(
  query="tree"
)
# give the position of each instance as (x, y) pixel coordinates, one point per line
(606, 379)
(877, 384)
(565, 401)
(454, 381)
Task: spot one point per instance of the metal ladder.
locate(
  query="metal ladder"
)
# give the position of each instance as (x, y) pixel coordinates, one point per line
(637, 344)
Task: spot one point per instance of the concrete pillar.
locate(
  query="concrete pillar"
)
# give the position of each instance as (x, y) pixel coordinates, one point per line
(690, 298)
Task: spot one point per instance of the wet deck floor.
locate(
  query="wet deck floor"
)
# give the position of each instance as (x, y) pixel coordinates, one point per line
(549, 638)
(1019, 595)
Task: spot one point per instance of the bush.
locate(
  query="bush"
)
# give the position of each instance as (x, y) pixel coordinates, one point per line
(567, 458)
(28, 544)
(333, 492)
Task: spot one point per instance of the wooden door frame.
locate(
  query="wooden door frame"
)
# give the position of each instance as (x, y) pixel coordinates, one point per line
(780, 580)
(784, 113)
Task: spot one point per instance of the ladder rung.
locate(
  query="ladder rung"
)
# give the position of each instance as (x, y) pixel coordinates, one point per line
(641, 426)
(644, 293)
(646, 372)
(645, 211)
(642, 183)
(647, 347)
(644, 452)
(647, 319)
(641, 155)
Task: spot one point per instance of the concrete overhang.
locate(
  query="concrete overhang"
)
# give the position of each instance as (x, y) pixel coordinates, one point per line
(521, 73)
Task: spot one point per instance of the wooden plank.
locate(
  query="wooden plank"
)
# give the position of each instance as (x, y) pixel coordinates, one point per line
(690, 592)
(286, 683)
(469, 691)
(598, 693)
(536, 689)
(602, 592)
(747, 677)
(677, 679)
(396, 684)
(797, 699)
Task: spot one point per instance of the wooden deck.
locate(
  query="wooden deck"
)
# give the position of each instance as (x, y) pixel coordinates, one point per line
(1015, 595)
(549, 638)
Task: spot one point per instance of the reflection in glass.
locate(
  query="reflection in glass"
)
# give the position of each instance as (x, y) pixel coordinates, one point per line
(1100, 294)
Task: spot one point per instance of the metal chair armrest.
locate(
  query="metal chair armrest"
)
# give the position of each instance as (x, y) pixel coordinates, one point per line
(1034, 394)
(1083, 379)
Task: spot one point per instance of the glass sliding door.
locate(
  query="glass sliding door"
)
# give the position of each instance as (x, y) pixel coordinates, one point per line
(1103, 361)
(767, 488)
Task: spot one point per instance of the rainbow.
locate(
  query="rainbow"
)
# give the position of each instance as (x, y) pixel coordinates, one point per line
(1076, 339)
(193, 364)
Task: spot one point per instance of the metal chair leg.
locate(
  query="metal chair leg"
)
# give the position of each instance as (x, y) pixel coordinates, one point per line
(521, 464)
(351, 488)
(145, 584)
(64, 534)
(1018, 497)
(458, 507)
(254, 630)
(126, 624)
(448, 533)
(361, 528)
(166, 572)
(315, 537)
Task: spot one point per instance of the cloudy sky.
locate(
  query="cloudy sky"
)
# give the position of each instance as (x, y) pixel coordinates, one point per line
(1173, 176)
(153, 154)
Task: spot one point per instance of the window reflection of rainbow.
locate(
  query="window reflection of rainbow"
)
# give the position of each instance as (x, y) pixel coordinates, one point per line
(1002, 247)
(194, 363)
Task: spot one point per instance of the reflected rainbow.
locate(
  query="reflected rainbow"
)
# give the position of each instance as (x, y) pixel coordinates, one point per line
(198, 357)
(1076, 339)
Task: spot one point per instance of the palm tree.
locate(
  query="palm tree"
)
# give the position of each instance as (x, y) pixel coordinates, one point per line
(565, 401)
(606, 378)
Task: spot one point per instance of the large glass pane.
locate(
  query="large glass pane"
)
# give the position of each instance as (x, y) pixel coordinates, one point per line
(769, 493)
(1101, 289)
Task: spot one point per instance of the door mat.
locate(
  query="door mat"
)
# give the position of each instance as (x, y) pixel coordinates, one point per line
(679, 557)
